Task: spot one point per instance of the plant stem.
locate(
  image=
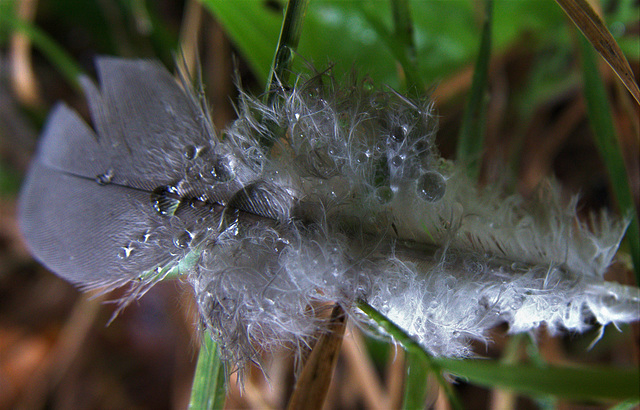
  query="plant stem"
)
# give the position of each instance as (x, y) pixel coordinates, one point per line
(403, 27)
(413, 348)
(470, 140)
(208, 390)
(287, 44)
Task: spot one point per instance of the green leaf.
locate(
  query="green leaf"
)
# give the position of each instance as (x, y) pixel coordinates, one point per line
(362, 34)
(209, 390)
(253, 28)
(607, 142)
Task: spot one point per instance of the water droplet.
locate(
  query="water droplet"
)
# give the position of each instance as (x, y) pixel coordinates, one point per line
(125, 251)
(398, 133)
(144, 237)
(165, 200)
(384, 194)
(397, 161)
(221, 171)
(431, 186)
(421, 146)
(229, 220)
(280, 245)
(190, 151)
(183, 240)
(198, 203)
(321, 164)
(105, 178)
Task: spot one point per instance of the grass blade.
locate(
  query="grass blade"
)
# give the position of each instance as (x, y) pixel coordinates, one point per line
(591, 383)
(58, 57)
(607, 142)
(415, 384)
(208, 390)
(594, 29)
(413, 348)
(287, 44)
(470, 140)
(403, 26)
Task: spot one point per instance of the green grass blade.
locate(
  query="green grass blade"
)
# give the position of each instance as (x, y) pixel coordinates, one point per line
(471, 137)
(606, 140)
(287, 43)
(208, 390)
(412, 348)
(404, 33)
(58, 57)
(415, 384)
(592, 383)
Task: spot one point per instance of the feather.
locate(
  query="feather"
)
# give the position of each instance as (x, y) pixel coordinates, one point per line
(351, 201)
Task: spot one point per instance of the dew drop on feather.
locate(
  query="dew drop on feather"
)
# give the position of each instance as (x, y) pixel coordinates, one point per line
(396, 161)
(105, 178)
(125, 251)
(431, 186)
(183, 240)
(165, 200)
(398, 133)
(190, 151)
(144, 237)
(221, 171)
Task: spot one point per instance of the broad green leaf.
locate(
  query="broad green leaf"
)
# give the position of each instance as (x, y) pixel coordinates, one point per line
(361, 34)
(253, 28)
